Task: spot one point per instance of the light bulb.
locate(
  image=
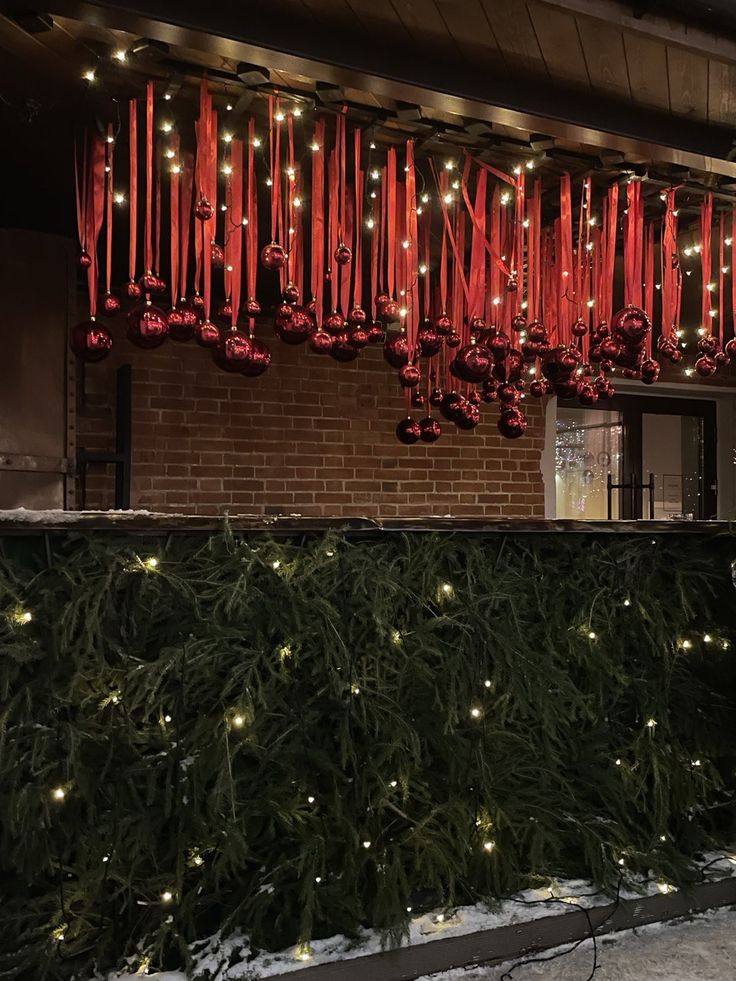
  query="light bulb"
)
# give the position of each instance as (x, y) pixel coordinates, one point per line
(166, 896)
(525, 223)
(724, 269)
(371, 145)
(488, 683)
(229, 107)
(695, 762)
(227, 170)
(488, 846)
(169, 154)
(590, 303)
(394, 783)
(710, 287)
(279, 117)
(591, 634)
(588, 246)
(663, 837)
(530, 165)
(275, 564)
(303, 952)
(315, 147)
(456, 185)
(223, 207)
(167, 718)
(318, 879)
(422, 270)
(725, 645)
(151, 562)
(689, 372)
(449, 164)
(627, 602)
(688, 251)
(425, 199)
(592, 220)
(707, 638)
(651, 723)
(697, 249)
(166, 127)
(375, 175)
(238, 721)
(618, 761)
(727, 241)
(167, 96)
(496, 300)
(370, 223)
(256, 141)
(297, 202)
(354, 690)
(447, 199)
(89, 75)
(665, 887)
(297, 112)
(366, 844)
(622, 861)
(405, 244)
(475, 712)
(290, 173)
(310, 800)
(517, 170)
(58, 793)
(269, 182)
(440, 918)
(118, 197)
(403, 312)
(409, 909)
(396, 637)
(120, 54)
(505, 197)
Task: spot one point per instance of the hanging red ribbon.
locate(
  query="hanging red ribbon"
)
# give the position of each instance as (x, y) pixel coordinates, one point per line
(110, 148)
(633, 245)
(720, 325)
(411, 253)
(706, 262)
(358, 219)
(95, 213)
(477, 285)
(157, 232)
(318, 220)
(391, 221)
(443, 251)
(174, 218)
(610, 231)
(148, 234)
(566, 300)
(649, 280)
(252, 219)
(185, 215)
(534, 264)
(133, 203)
(458, 262)
(234, 240)
(333, 227)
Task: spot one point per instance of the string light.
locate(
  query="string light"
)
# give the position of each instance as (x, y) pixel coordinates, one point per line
(276, 564)
(710, 287)
(592, 220)
(689, 372)
(591, 635)
(475, 712)
(488, 846)
(167, 96)
(118, 197)
(665, 887)
(166, 127)
(370, 223)
(405, 244)
(290, 173)
(425, 199)
(517, 169)
(590, 303)
(354, 690)
(303, 952)
(697, 249)
(229, 107)
(394, 784)
(256, 141)
(315, 147)
(58, 794)
(403, 312)
(688, 251)
(89, 75)
(20, 617)
(449, 164)
(618, 761)
(725, 645)
(727, 241)
(279, 117)
(297, 202)
(456, 185)
(663, 837)
(167, 896)
(297, 112)
(686, 644)
(694, 762)
(366, 844)
(150, 563)
(724, 269)
(707, 638)
(448, 199)
(167, 718)
(227, 170)
(310, 800)
(529, 165)
(422, 270)
(396, 637)
(525, 223)
(651, 723)
(627, 602)
(375, 175)
(496, 300)
(238, 721)
(371, 145)
(505, 197)
(227, 137)
(121, 55)
(223, 207)
(285, 652)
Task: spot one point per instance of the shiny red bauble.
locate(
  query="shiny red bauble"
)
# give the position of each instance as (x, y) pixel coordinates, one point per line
(110, 304)
(604, 388)
(259, 360)
(730, 349)
(499, 345)
(217, 255)
(409, 376)
(389, 312)
(453, 340)
(536, 331)
(334, 323)
(196, 301)
(518, 323)
(203, 209)
(290, 293)
(359, 338)
(512, 423)
(233, 352)
(429, 341)
(443, 325)
(148, 282)
(343, 254)
(649, 371)
(91, 341)
(429, 430)
(225, 310)
(133, 290)
(85, 259)
(417, 400)
(296, 328)
(579, 328)
(512, 283)
(376, 334)
(357, 317)
(558, 364)
(252, 307)
(182, 321)
(408, 431)
(206, 334)
(631, 325)
(273, 256)
(451, 405)
(509, 394)
(320, 342)
(709, 345)
(467, 415)
(472, 363)
(435, 397)
(396, 350)
(537, 388)
(587, 395)
(721, 359)
(147, 326)
(705, 366)
(342, 350)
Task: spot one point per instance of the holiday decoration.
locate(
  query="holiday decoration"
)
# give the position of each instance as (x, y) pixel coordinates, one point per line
(469, 277)
(91, 341)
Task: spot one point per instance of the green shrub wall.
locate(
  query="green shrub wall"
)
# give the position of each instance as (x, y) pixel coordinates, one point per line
(299, 737)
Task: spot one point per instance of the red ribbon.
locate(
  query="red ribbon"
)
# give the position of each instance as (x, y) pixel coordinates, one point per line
(477, 285)
(517, 261)
(391, 220)
(234, 241)
(459, 276)
(706, 261)
(252, 217)
(133, 206)
(633, 245)
(566, 269)
(110, 148)
(358, 215)
(148, 235)
(333, 227)
(187, 189)
(318, 220)
(721, 322)
(649, 279)
(80, 190)
(175, 200)
(534, 270)
(610, 229)
(95, 212)
(411, 254)
(443, 251)
(157, 234)
(426, 261)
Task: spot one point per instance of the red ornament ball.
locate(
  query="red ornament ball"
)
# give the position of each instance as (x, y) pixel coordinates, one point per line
(197, 302)
(359, 338)
(472, 363)
(631, 325)
(343, 254)
(147, 326)
(417, 400)
(290, 293)
(451, 406)
(587, 394)
(408, 431)
(85, 259)
(453, 340)
(429, 430)
(225, 310)
(273, 257)
(721, 359)
(518, 323)
(376, 334)
(320, 342)
(730, 349)
(536, 331)
(435, 397)
(512, 283)
(499, 345)
(203, 209)
(342, 350)
(396, 351)
(509, 394)
(149, 282)
(252, 307)
(429, 341)
(217, 255)
(443, 325)
(705, 366)
(296, 328)
(110, 304)
(409, 376)
(91, 341)
(389, 312)
(233, 352)
(182, 321)
(206, 334)
(579, 328)
(259, 360)
(357, 317)
(604, 388)
(133, 290)
(334, 323)
(676, 356)
(512, 423)
(537, 389)
(709, 345)
(649, 371)
(467, 416)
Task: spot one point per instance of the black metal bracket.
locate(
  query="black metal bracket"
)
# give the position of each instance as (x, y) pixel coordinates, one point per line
(632, 485)
(121, 456)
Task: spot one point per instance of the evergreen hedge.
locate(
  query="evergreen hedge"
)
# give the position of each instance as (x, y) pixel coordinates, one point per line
(298, 737)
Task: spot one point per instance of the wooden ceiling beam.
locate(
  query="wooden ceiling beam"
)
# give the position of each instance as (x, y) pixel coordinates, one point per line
(667, 30)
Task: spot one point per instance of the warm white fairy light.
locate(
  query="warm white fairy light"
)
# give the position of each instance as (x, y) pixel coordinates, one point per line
(517, 169)
(396, 637)
(663, 837)
(665, 887)
(297, 202)
(256, 141)
(229, 268)
(695, 762)
(488, 683)
(592, 635)
(425, 199)
(223, 207)
(488, 846)
(688, 250)
(617, 761)
(686, 644)
(279, 117)
(354, 690)
(58, 794)
(167, 896)
(118, 197)
(89, 75)
(440, 918)
(529, 165)
(318, 879)
(727, 241)
(121, 55)
(456, 185)
(590, 303)
(366, 844)
(285, 652)
(475, 712)
(276, 564)
(169, 153)
(303, 952)
(310, 799)
(710, 287)
(446, 589)
(689, 372)
(707, 638)
(315, 148)
(725, 644)
(449, 164)
(592, 220)
(227, 137)
(167, 718)
(166, 127)
(422, 270)
(697, 249)
(627, 602)
(406, 244)
(505, 197)
(227, 170)
(588, 246)
(393, 784)
(496, 300)
(238, 721)
(290, 173)
(375, 175)
(403, 312)
(448, 199)
(150, 563)
(651, 723)
(370, 223)
(621, 861)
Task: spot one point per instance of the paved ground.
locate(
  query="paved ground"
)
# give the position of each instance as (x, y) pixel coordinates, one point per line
(701, 949)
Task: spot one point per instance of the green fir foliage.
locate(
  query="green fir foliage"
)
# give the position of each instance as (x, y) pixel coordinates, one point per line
(195, 730)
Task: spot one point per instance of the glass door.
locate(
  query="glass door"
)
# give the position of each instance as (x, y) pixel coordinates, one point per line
(588, 447)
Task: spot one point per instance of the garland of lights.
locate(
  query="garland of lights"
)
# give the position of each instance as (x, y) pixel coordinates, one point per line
(300, 738)
(473, 298)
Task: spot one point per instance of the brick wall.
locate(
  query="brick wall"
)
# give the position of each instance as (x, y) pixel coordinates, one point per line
(309, 437)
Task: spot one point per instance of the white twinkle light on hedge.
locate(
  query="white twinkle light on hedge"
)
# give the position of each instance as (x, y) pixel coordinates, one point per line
(488, 846)
(621, 861)
(686, 644)
(121, 55)
(695, 762)
(394, 783)
(396, 637)
(475, 712)
(285, 651)
(366, 844)
(238, 721)
(591, 635)
(150, 563)
(440, 918)
(726, 644)
(354, 690)
(20, 617)
(167, 718)
(618, 761)
(275, 564)
(488, 683)
(303, 952)
(318, 879)
(665, 887)
(707, 638)
(627, 602)
(143, 965)
(167, 896)
(310, 799)
(651, 723)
